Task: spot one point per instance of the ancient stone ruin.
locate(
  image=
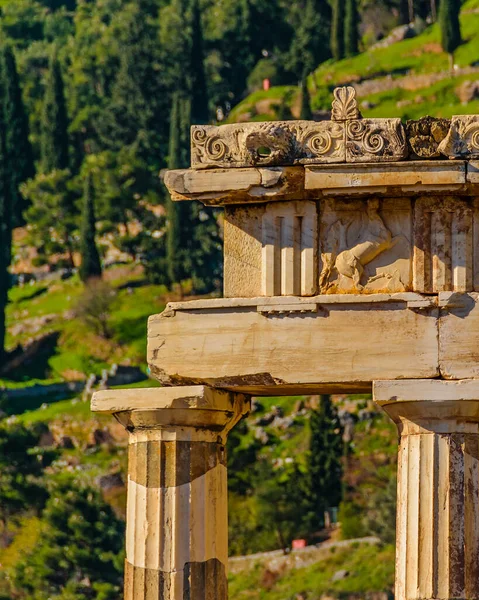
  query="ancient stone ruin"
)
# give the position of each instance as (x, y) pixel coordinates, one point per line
(351, 251)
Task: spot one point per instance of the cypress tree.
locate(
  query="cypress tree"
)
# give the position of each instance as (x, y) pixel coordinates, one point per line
(306, 112)
(337, 30)
(17, 142)
(5, 232)
(310, 45)
(175, 161)
(325, 467)
(90, 258)
(199, 92)
(449, 11)
(351, 21)
(134, 114)
(5, 246)
(54, 136)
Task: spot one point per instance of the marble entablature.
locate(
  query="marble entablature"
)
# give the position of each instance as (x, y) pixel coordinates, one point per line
(336, 206)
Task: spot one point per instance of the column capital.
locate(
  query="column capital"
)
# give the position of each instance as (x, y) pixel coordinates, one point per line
(434, 405)
(175, 413)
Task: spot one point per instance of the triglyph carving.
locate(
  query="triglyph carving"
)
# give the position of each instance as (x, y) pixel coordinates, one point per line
(289, 249)
(345, 106)
(365, 246)
(462, 141)
(443, 245)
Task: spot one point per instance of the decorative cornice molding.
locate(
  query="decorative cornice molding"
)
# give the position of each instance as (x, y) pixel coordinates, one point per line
(346, 138)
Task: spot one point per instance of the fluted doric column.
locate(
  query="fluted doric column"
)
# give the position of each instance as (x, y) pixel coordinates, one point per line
(177, 519)
(437, 545)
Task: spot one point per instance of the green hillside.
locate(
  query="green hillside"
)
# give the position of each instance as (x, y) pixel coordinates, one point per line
(40, 309)
(412, 76)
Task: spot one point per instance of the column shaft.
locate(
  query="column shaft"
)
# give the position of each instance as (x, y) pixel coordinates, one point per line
(437, 546)
(177, 528)
(177, 513)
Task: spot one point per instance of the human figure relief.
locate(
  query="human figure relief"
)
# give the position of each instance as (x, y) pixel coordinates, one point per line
(375, 239)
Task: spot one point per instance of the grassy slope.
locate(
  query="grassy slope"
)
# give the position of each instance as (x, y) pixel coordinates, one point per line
(370, 569)
(419, 55)
(78, 351)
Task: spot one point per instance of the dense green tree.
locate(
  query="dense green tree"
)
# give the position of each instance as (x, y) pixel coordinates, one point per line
(325, 460)
(199, 91)
(17, 142)
(54, 141)
(242, 452)
(179, 214)
(337, 29)
(306, 112)
(79, 554)
(22, 464)
(450, 26)
(5, 235)
(310, 45)
(284, 499)
(251, 30)
(136, 106)
(351, 33)
(90, 258)
(53, 213)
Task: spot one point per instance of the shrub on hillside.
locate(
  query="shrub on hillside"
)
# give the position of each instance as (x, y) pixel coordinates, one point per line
(79, 554)
(94, 307)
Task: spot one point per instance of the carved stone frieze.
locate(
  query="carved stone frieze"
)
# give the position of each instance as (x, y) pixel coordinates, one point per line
(462, 141)
(346, 138)
(375, 140)
(365, 246)
(424, 136)
(297, 142)
(267, 144)
(321, 142)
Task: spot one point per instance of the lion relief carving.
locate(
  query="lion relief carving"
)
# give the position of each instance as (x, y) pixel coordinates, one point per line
(348, 264)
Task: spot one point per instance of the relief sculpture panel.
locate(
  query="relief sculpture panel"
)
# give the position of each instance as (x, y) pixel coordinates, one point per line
(365, 246)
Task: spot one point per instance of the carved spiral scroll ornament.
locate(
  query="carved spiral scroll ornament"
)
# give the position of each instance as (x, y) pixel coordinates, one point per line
(372, 141)
(213, 147)
(320, 143)
(471, 136)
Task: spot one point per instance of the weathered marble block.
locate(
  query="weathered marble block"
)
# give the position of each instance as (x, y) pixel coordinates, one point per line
(293, 345)
(446, 244)
(297, 142)
(462, 140)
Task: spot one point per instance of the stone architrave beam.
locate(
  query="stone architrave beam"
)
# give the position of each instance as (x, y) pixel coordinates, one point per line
(437, 544)
(177, 518)
(291, 345)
